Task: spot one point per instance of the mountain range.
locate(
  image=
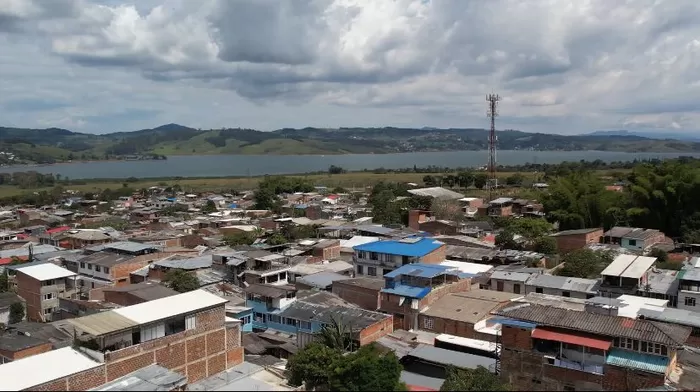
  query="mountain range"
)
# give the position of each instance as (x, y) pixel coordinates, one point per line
(56, 145)
(659, 135)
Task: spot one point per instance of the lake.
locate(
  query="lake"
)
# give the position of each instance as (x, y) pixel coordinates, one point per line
(255, 165)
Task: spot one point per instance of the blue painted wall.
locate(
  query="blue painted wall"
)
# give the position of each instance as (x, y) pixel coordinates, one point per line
(246, 318)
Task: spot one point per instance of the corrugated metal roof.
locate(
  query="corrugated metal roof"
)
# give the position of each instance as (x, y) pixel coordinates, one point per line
(545, 334)
(650, 331)
(408, 291)
(619, 265)
(448, 357)
(102, 323)
(436, 192)
(416, 249)
(639, 266)
(420, 270)
(637, 360)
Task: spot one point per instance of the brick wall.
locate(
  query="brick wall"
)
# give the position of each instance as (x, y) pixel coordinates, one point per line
(196, 353)
(438, 228)
(435, 257)
(364, 297)
(516, 338)
(567, 243)
(377, 330)
(622, 379)
(28, 352)
(30, 289)
(415, 218)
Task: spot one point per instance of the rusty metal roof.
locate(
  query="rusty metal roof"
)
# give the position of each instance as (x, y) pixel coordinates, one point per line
(646, 330)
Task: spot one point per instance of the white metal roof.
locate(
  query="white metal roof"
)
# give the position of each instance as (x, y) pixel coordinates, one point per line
(162, 308)
(38, 369)
(469, 268)
(357, 240)
(639, 266)
(619, 265)
(46, 271)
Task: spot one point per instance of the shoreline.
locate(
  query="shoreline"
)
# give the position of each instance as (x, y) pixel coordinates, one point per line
(75, 161)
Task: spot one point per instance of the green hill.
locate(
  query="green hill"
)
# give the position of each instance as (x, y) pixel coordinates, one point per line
(55, 145)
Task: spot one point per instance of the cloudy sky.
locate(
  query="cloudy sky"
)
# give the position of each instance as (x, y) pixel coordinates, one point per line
(561, 66)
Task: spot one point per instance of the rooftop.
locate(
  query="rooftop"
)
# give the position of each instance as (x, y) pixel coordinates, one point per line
(436, 192)
(319, 307)
(650, 331)
(369, 283)
(130, 316)
(564, 283)
(321, 280)
(458, 359)
(42, 368)
(106, 259)
(419, 248)
(576, 232)
(125, 246)
(16, 342)
(629, 266)
(243, 377)
(422, 270)
(147, 291)
(271, 291)
(192, 263)
(46, 271)
(150, 378)
(456, 307)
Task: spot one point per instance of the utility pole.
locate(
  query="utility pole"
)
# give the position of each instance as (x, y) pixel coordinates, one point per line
(492, 113)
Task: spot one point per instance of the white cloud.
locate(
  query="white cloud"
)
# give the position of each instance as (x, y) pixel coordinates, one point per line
(561, 66)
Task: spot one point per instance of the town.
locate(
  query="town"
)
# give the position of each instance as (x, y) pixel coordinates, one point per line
(164, 289)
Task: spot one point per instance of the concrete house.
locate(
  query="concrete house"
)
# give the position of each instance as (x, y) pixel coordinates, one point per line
(627, 274)
(375, 259)
(41, 285)
(562, 286)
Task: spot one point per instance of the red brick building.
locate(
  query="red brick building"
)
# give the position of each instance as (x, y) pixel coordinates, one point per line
(187, 333)
(553, 349)
(569, 240)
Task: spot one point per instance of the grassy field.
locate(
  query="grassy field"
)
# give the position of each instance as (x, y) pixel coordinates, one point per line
(350, 181)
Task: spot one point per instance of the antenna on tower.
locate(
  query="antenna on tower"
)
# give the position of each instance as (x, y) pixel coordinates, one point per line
(492, 113)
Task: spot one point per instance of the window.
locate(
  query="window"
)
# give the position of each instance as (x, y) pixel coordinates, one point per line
(539, 290)
(274, 319)
(371, 271)
(98, 268)
(259, 317)
(359, 270)
(48, 311)
(565, 294)
(625, 343)
(105, 270)
(290, 321)
(82, 264)
(175, 325)
(428, 323)
(153, 331)
(190, 322)
(245, 319)
(90, 266)
(49, 296)
(305, 325)
(373, 256)
(632, 242)
(49, 282)
(689, 301)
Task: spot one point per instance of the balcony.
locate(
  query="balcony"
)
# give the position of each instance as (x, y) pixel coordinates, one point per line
(556, 361)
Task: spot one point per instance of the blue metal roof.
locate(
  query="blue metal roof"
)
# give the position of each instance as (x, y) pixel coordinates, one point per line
(420, 270)
(300, 206)
(512, 322)
(408, 291)
(233, 205)
(637, 360)
(416, 249)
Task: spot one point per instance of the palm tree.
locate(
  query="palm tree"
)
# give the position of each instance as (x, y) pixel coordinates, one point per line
(337, 335)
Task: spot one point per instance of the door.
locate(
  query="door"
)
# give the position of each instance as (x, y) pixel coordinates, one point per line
(398, 321)
(516, 288)
(499, 286)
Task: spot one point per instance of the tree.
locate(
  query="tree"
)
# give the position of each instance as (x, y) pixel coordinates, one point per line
(479, 379)
(209, 207)
(530, 228)
(337, 335)
(265, 199)
(506, 240)
(429, 180)
(465, 179)
(447, 209)
(585, 263)
(367, 369)
(239, 239)
(276, 239)
(16, 313)
(515, 179)
(311, 366)
(4, 282)
(480, 180)
(181, 280)
(333, 169)
(545, 245)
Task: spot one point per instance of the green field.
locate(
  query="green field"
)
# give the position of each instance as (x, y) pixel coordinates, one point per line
(351, 181)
